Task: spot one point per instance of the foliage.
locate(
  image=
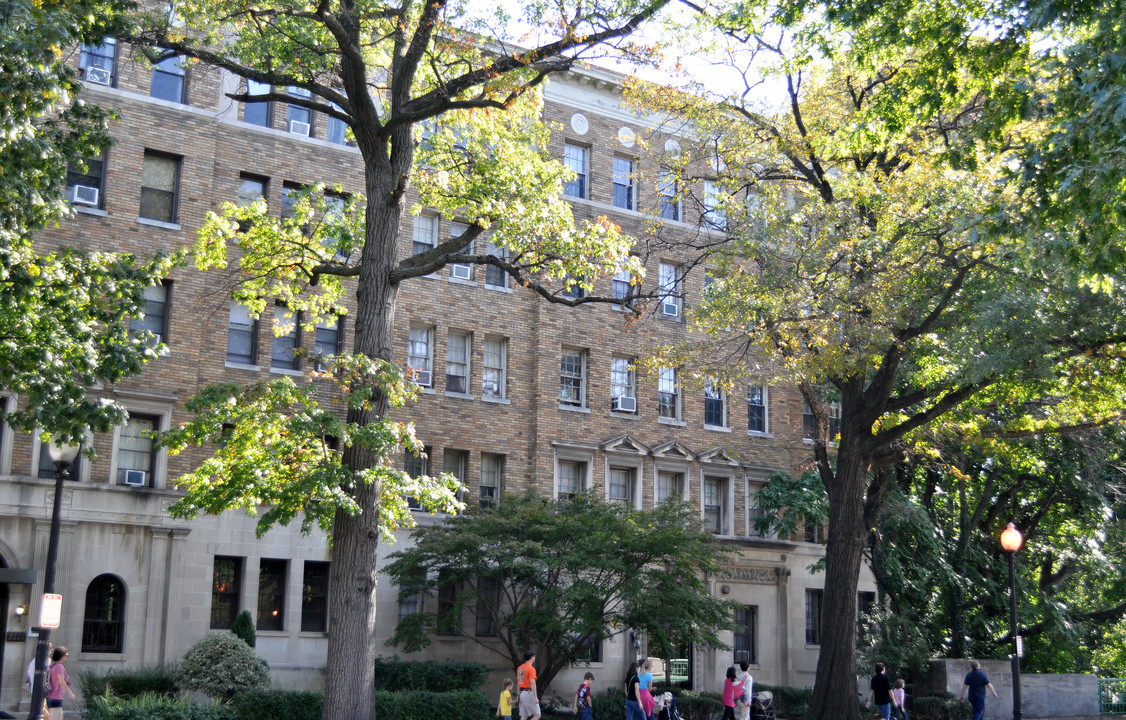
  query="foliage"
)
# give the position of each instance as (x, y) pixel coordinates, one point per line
(221, 665)
(940, 706)
(407, 675)
(129, 683)
(243, 628)
(789, 702)
(698, 706)
(421, 704)
(788, 502)
(151, 706)
(274, 703)
(897, 638)
(557, 577)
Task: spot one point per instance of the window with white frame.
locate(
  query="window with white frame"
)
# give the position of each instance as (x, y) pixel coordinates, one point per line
(757, 415)
(577, 159)
(570, 478)
(495, 362)
(669, 485)
(621, 285)
(625, 193)
(461, 271)
(98, 63)
(299, 119)
(458, 346)
(168, 79)
(755, 512)
(623, 385)
(420, 348)
(715, 214)
(242, 335)
(257, 112)
(416, 466)
(425, 233)
(668, 393)
(668, 193)
(492, 470)
(283, 355)
(715, 504)
(494, 276)
(620, 485)
(672, 289)
(136, 452)
(572, 377)
(715, 404)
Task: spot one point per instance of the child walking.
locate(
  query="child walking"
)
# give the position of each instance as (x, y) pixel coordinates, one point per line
(504, 704)
(899, 697)
(584, 701)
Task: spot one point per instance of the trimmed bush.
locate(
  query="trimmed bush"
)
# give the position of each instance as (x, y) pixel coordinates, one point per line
(698, 706)
(221, 665)
(940, 706)
(789, 702)
(243, 627)
(160, 680)
(151, 706)
(399, 675)
(275, 704)
(425, 705)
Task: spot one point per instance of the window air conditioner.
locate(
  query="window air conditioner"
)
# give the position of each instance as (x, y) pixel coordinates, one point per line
(135, 478)
(299, 128)
(623, 404)
(461, 272)
(421, 377)
(670, 308)
(97, 75)
(84, 195)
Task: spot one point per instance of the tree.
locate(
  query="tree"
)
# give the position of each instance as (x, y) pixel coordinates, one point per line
(559, 578)
(865, 270)
(430, 105)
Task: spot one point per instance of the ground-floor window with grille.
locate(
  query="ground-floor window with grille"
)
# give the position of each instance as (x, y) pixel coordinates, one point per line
(746, 634)
(103, 623)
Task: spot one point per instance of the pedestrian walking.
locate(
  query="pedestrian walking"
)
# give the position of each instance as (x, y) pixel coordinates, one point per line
(880, 691)
(976, 682)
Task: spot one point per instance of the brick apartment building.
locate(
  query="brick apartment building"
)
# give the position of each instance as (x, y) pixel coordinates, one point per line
(534, 394)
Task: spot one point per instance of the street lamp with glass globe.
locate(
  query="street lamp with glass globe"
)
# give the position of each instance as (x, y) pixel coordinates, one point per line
(1011, 540)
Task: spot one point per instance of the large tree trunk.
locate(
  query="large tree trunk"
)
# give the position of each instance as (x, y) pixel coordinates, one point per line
(834, 690)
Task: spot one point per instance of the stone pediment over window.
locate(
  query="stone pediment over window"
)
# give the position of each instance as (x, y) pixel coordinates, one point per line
(719, 456)
(673, 451)
(758, 473)
(624, 444)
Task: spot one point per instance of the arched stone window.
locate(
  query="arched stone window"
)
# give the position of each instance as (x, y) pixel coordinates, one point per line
(103, 624)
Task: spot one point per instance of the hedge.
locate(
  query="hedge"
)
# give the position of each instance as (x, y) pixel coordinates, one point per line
(151, 706)
(940, 706)
(160, 680)
(790, 702)
(275, 704)
(426, 705)
(396, 674)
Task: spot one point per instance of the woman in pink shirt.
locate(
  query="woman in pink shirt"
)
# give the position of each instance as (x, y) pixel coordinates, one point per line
(729, 695)
(59, 683)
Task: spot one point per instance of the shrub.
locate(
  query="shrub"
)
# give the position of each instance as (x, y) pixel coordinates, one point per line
(243, 627)
(151, 706)
(789, 702)
(940, 706)
(274, 704)
(160, 680)
(425, 705)
(222, 665)
(396, 674)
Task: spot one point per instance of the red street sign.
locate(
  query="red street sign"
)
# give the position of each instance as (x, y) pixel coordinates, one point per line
(51, 610)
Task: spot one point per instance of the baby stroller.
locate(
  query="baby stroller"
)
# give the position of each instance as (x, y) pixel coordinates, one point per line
(666, 707)
(762, 706)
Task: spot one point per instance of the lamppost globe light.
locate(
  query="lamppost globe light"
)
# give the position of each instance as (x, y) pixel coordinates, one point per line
(63, 453)
(1011, 539)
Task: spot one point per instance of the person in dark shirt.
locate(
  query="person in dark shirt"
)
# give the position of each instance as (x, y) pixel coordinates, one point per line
(633, 694)
(976, 682)
(880, 692)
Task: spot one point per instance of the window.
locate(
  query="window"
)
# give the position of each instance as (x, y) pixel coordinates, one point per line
(98, 62)
(488, 599)
(449, 615)
(620, 485)
(715, 404)
(155, 318)
(589, 652)
(271, 594)
(168, 77)
(283, 356)
(299, 119)
(671, 288)
(571, 480)
(577, 160)
(815, 532)
(669, 485)
(419, 348)
(495, 361)
(755, 513)
(314, 597)
(103, 622)
(425, 233)
(251, 189)
(624, 195)
(135, 452)
(572, 287)
(813, 600)
(85, 182)
(226, 592)
(461, 271)
(715, 215)
(416, 466)
(455, 463)
(410, 599)
(669, 195)
(492, 468)
(715, 502)
(457, 362)
(242, 335)
(328, 341)
(623, 385)
(334, 214)
(756, 409)
(289, 198)
(572, 378)
(46, 469)
(746, 634)
(494, 276)
(809, 421)
(834, 421)
(337, 130)
(621, 285)
(668, 394)
(159, 176)
(257, 112)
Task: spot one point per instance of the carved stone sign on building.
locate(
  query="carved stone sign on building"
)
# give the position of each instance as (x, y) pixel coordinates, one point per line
(755, 575)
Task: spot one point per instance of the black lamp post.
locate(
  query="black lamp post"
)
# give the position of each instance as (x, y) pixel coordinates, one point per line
(63, 456)
(1011, 540)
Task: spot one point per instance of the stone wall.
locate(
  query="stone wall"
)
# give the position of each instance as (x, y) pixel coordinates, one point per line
(1042, 695)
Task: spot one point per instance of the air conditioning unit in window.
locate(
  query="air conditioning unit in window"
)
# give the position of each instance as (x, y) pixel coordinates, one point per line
(84, 195)
(461, 272)
(97, 75)
(670, 308)
(299, 128)
(421, 377)
(134, 478)
(623, 404)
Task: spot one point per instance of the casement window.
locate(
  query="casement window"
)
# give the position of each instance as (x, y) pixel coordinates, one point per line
(492, 469)
(757, 412)
(577, 159)
(572, 378)
(625, 192)
(420, 355)
(813, 601)
(283, 355)
(136, 452)
(328, 341)
(716, 513)
(715, 404)
(461, 271)
(46, 466)
(272, 579)
(668, 393)
(226, 591)
(669, 485)
(103, 620)
(494, 373)
(621, 285)
(86, 183)
(570, 478)
(623, 385)
(668, 194)
(416, 466)
(746, 634)
(715, 215)
(257, 112)
(242, 336)
(494, 276)
(159, 181)
(671, 282)
(488, 599)
(314, 596)
(620, 485)
(456, 463)
(299, 119)
(98, 63)
(425, 233)
(169, 79)
(155, 318)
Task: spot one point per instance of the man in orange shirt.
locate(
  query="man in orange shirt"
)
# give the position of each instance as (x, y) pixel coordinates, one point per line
(526, 682)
